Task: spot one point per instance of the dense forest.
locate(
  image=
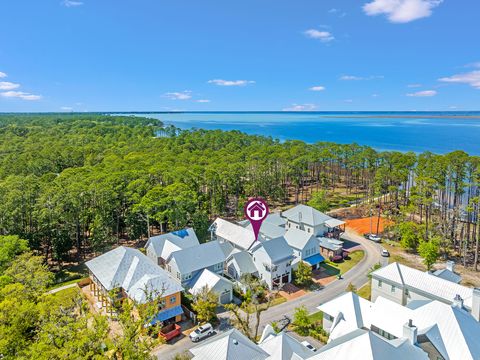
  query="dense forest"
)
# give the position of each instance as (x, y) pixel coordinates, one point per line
(76, 184)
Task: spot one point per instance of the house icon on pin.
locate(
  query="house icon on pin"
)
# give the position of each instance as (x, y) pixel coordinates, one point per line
(256, 207)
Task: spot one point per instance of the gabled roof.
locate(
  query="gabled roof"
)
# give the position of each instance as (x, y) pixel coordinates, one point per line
(453, 331)
(282, 346)
(163, 245)
(231, 345)
(448, 275)
(234, 233)
(437, 287)
(366, 345)
(277, 249)
(349, 311)
(244, 261)
(275, 219)
(198, 257)
(298, 238)
(134, 272)
(306, 215)
(214, 282)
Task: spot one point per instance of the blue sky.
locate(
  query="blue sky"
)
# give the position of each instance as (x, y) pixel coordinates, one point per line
(145, 55)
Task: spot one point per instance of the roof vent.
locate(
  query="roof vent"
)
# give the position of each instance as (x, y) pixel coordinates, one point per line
(235, 342)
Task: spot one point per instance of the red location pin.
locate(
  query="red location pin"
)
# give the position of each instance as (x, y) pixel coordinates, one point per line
(256, 210)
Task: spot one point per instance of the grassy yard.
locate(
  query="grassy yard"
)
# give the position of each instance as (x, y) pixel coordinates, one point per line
(277, 301)
(334, 269)
(316, 317)
(365, 290)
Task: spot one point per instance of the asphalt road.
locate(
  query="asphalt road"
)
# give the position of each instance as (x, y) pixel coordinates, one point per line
(358, 276)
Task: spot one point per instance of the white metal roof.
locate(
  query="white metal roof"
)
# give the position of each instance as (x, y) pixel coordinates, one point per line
(181, 239)
(134, 272)
(277, 249)
(275, 219)
(282, 346)
(366, 345)
(198, 257)
(306, 215)
(297, 238)
(236, 234)
(447, 275)
(231, 345)
(415, 279)
(214, 282)
(331, 223)
(244, 261)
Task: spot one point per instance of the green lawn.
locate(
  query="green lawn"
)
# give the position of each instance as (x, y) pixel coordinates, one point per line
(63, 284)
(336, 268)
(316, 317)
(365, 290)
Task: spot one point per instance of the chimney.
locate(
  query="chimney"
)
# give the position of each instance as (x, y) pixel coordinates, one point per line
(476, 304)
(410, 332)
(451, 265)
(458, 301)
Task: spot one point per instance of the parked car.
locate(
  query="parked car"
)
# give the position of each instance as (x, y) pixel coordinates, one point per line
(309, 346)
(202, 332)
(373, 237)
(385, 253)
(336, 258)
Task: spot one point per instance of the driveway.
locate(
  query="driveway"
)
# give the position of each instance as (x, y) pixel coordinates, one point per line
(358, 276)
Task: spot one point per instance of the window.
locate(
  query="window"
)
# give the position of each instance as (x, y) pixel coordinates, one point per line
(393, 288)
(178, 275)
(188, 276)
(169, 268)
(308, 229)
(379, 283)
(406, 292)
(173, 300)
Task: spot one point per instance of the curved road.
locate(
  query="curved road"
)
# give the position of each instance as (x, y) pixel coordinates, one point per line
(358, 276)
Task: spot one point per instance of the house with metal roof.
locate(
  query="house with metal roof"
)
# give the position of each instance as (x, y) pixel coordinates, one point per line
(440, 330)
(240, 263)
(187, 263)
(159, 248)
(404, 285)
(238, 236)
(330, 247)
(126, 273)
(273, 260)
(305, 248)
(283, 346)
(221, 286)
(231, 345)
(448, 273)
(312, 221)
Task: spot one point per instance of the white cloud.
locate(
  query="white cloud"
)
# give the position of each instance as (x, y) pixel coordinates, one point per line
(5, 85)
(66, 108)
(317, 88)
(184, 95)
(3, 75)
(21, 95)
(202, 101)
(221, 82)
(401, 11)
(471, 78)
(424, 93)
(323, 36)
(349, 101)
(301, 107)
(375, 95)
(358, 78)
(414, 85)
(333, 11)
(71, 3)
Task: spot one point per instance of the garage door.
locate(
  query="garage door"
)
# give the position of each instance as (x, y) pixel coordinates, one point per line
(226, 297)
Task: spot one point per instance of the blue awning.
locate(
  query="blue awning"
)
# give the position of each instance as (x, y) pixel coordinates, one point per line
(167, 314)
(314, 259)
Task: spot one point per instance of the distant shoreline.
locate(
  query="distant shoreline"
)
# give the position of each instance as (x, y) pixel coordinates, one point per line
(405, 116)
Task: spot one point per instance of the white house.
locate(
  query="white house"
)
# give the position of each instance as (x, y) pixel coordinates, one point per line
(240, 263)
(403, 285)
(215, 283)
(238, 236)
(439, 330)
(159, 248)
(273, 260)
(187, 263)
(311, 221)
(305, 248)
